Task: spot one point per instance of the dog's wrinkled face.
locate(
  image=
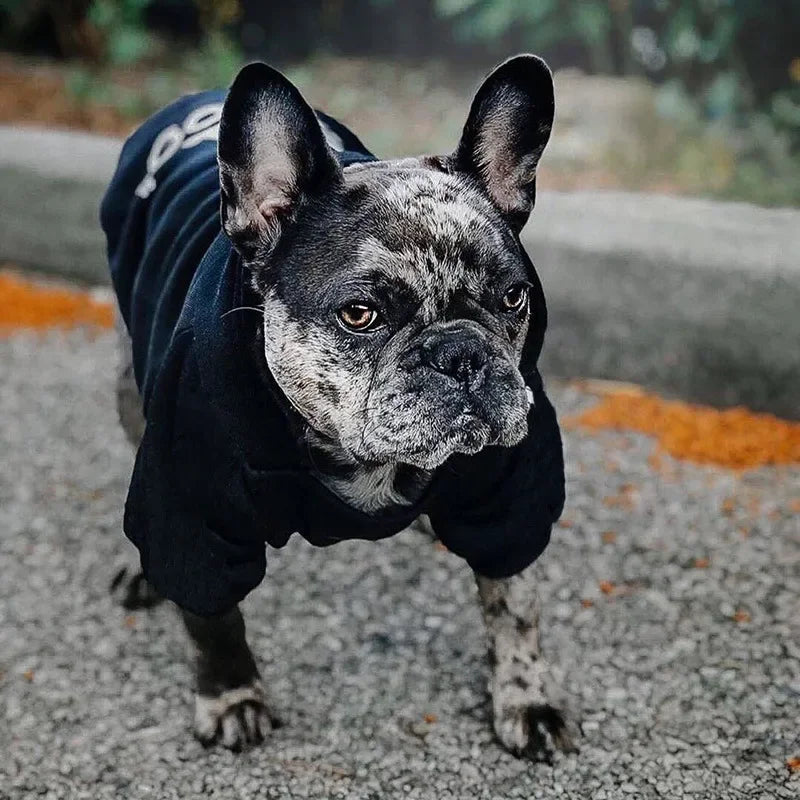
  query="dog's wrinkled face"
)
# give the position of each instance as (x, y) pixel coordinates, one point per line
(396, 292)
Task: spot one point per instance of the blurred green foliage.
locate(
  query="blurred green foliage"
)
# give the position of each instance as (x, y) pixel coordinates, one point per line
(730, 56)
(120, 23)
(119, 33)
(723, 68)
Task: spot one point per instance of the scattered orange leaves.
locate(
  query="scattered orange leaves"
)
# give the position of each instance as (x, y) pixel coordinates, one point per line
(623, 500)
(793, 764)
(587, 603)
(794, 506)
(430, 718)
(742, 616)
(701, 563)
(564, 522)
(28, 675)
(619, 589)
(29, 304)
(736, 438)
(609, 537)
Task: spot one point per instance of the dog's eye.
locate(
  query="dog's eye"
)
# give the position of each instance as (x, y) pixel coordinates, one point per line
(515, 297)
(358, 317)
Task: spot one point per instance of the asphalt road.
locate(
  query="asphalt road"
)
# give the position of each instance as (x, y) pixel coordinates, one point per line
(685, 673)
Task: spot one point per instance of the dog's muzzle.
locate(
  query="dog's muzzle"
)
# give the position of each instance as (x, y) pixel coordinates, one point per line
(457, 352)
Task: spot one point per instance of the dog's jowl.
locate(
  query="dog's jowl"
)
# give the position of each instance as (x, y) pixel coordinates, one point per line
(323, 342)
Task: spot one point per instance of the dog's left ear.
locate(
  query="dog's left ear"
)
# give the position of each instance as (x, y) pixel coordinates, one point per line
(507, 129)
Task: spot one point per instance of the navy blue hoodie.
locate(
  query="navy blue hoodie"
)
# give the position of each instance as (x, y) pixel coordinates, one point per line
(222, 469)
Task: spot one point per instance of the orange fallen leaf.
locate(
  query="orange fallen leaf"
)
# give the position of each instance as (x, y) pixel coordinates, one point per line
(701, 563)
(440, 546)
(742, 616)
(794, 506)
(606, 587)
(36, 304)
(735, 437)
(622, 501)
(430, 718)
(728, 506)
(793, 764)
(130, 621)
(565, 523)
(587, 603)
(609, 537)
(28, 675)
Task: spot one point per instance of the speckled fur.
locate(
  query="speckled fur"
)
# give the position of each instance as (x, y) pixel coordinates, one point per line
(522, 709)
(436, 239)
(433, 240)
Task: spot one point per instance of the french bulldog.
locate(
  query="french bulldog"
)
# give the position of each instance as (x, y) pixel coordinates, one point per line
(317, 340)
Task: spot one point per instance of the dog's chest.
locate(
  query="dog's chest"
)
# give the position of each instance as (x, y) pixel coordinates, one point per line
(367, 488)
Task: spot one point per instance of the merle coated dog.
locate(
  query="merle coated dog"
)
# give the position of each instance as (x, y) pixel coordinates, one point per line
(323, 342)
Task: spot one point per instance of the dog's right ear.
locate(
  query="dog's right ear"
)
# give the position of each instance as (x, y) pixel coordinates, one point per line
(272, 157)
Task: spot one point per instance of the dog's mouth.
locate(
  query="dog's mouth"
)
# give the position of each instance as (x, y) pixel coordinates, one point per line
(424, 434)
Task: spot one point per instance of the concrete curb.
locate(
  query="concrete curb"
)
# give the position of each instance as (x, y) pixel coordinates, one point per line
(691, 297)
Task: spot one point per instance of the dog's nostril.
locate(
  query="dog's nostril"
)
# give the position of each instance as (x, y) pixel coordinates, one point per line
(460, 360)
(477, 360)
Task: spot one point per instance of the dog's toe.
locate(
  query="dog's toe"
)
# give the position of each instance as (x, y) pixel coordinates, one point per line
(534, 731)
(133, 590)
(236, 718)
(556, 725)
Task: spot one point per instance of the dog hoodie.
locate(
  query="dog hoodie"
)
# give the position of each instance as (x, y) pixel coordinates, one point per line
(222, 469)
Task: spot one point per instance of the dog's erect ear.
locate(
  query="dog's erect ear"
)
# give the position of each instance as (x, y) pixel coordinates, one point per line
(272, 157)
(507, 129)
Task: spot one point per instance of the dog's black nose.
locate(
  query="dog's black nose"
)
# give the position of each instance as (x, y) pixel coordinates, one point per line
(457, 354)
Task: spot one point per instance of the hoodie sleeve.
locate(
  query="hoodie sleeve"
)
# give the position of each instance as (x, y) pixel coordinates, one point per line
(196, 549)
(497, 510)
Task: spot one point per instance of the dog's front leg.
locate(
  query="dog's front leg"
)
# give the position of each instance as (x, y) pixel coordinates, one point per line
(230, 705)
(523, 712)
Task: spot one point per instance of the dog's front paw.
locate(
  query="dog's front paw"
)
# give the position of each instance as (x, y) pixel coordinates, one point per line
(533, 730)
(133, 591)
(235, 718)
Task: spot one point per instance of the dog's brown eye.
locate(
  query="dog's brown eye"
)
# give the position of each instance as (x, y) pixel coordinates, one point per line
(516, 297)
(357, 317)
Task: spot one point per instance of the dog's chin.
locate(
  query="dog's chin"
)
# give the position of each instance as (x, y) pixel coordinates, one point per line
(468, 435)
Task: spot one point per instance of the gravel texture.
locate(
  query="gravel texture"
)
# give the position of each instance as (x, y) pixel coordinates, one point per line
(684, 672)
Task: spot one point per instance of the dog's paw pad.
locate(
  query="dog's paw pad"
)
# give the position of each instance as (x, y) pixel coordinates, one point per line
(534, 731)
(236, 718)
